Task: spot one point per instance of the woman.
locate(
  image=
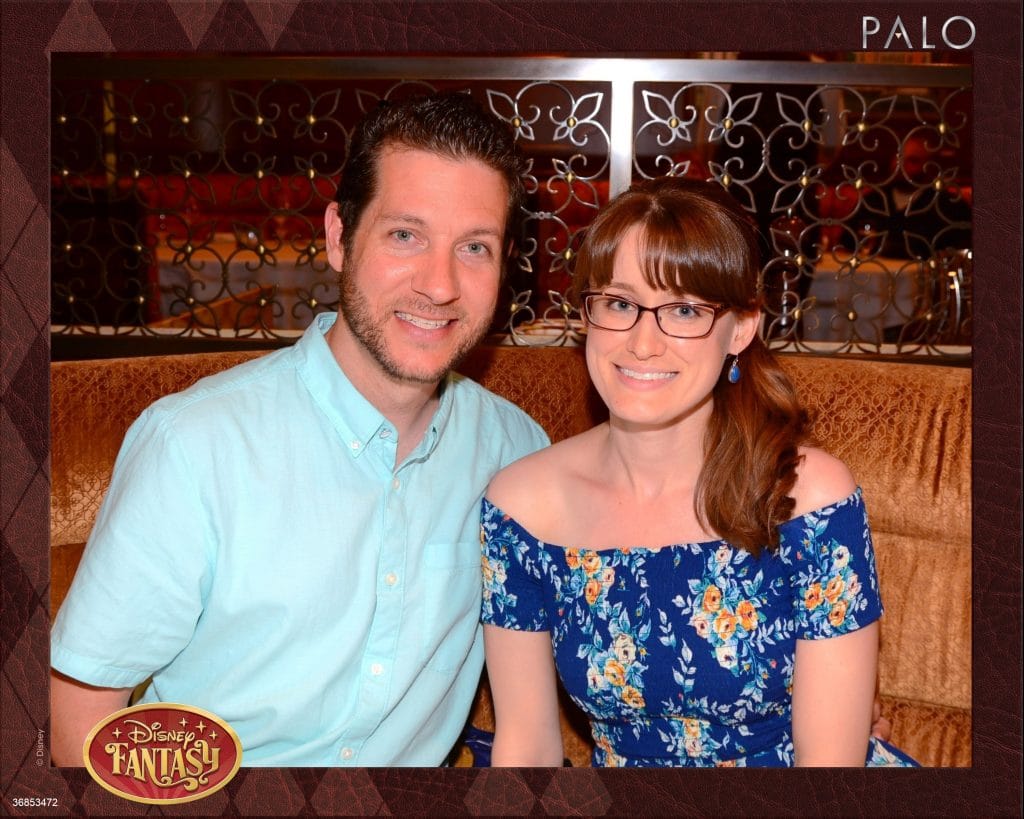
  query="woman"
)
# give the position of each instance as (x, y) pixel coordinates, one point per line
(701, 575)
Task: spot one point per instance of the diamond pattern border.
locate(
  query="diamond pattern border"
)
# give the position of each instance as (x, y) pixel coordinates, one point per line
(31, 30)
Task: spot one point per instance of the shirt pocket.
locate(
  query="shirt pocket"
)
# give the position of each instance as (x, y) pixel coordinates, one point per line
(451, 603)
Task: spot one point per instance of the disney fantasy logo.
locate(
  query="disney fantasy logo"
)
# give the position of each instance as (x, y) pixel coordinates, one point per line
(162, 753)
(955, 32)
(184, 760)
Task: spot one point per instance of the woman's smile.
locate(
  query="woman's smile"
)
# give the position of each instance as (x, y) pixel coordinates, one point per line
(646, 375)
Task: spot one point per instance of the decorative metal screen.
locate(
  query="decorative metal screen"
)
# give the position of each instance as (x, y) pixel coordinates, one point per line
(188, 194)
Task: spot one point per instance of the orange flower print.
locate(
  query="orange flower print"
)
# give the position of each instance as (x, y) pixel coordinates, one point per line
(813, 597)
(607, 576)
(725, 624)
(691, 727)
(837, 614)
(483, 536)
(615, 673)
(834, 589)
(702, 623)
(592, 591)
(485, 567)
(723, 554)
(712, 598)
(612, 760)
(747, 614)
(694, 747)
(632, 697)
(852, 585)
(572, 558)
(591, 562)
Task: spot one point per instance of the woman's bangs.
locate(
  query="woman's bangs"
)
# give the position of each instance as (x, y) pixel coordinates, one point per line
(693, 258)
(689, 246)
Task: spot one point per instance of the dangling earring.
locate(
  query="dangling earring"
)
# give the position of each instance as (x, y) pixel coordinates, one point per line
(734, 370)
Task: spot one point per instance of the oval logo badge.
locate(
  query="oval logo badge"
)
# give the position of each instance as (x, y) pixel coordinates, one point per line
(162, 753)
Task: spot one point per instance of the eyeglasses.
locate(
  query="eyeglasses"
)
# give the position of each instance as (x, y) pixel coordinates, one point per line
(678, 319)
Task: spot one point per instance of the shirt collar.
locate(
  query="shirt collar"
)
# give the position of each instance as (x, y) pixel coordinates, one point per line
(356, 419)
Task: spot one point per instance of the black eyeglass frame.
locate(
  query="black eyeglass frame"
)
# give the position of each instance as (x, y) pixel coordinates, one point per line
(716, 309)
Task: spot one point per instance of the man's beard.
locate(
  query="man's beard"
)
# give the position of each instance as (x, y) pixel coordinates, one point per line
(369, 332)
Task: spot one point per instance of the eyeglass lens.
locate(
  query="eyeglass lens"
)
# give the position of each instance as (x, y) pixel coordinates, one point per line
(679, 319)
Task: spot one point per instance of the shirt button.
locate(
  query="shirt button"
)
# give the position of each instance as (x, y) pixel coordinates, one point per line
(346, 753)
(355, 445)
(391, 578)
(396, 484)
(385, 433)
(376, 669)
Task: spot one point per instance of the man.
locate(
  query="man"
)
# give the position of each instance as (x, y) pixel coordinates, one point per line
(293, 544)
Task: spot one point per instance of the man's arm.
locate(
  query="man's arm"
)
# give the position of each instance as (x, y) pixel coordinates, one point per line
(75, 708)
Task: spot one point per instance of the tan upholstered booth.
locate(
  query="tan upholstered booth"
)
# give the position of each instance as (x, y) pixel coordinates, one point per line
(904, 429)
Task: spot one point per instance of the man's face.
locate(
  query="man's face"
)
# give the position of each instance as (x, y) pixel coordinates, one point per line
(419, 288)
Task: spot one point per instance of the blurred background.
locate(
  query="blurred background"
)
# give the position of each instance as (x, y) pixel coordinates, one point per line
(188, 190)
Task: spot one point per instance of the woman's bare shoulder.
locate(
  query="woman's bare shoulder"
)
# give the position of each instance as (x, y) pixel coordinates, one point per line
(821, 479)
(541, 475)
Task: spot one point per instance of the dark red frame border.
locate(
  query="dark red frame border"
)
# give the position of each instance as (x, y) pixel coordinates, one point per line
(31, 30)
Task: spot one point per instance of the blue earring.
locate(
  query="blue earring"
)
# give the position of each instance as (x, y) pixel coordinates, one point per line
(734, 370)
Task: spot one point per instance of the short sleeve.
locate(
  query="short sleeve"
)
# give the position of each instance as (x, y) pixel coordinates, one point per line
(139, 588)
(835, 581)
(512, 589)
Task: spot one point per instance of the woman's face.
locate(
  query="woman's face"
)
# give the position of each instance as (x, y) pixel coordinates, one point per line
(646, 378)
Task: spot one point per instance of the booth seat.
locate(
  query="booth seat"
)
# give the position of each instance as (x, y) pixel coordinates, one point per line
(904, 429)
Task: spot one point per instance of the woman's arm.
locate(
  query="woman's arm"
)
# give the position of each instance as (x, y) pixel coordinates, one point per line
(521, 671)
(833, 694)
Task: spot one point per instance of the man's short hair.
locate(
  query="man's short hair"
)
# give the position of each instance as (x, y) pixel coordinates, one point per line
(449, 124)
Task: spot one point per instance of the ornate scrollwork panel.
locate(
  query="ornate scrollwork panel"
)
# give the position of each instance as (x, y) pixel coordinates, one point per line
(195, 206)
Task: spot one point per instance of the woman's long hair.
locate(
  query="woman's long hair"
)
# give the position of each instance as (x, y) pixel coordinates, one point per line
(696, 240)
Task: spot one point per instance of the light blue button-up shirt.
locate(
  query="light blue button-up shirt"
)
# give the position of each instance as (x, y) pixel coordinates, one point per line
(261, 557)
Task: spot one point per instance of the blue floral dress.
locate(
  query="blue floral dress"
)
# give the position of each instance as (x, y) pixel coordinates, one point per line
(683, 655)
